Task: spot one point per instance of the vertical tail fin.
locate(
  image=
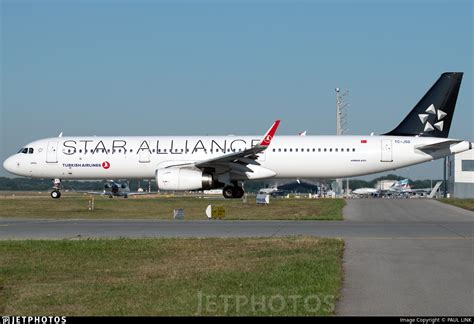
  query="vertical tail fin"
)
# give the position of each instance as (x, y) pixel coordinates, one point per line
(433, 114)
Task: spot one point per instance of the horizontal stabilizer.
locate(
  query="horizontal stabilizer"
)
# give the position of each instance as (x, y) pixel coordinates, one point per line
(437, 146)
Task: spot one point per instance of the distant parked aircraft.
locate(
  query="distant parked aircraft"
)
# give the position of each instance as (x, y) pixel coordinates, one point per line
(115, 189)
(366, 192)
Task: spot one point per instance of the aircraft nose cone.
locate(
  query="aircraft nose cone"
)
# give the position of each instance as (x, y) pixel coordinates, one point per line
(10, 164)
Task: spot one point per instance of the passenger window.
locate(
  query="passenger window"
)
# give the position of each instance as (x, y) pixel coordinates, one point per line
(325, 150)
(296, 150)
(291, 150)
(330, 150)
(319, 150)
(279, 150)
(284, 150)
(30, 150)
(353, 150)
(336, 150)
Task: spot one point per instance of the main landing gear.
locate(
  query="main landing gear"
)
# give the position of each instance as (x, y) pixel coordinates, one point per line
(234, 191)
(56, 193)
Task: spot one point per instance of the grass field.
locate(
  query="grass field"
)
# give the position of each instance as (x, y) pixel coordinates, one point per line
(463, 203)
(161, 207)
(252, 276)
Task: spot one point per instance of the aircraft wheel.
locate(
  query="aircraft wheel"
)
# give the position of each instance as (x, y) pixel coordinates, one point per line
(55, 194)
(238, 192)
(228, 192)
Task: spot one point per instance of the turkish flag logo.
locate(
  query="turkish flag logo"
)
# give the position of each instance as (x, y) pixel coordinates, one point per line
(106, 165)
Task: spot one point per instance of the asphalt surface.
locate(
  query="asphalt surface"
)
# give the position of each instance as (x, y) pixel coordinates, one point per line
(402, 256)
(428, 274)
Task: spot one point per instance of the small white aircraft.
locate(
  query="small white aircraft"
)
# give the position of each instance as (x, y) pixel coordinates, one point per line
(366, 191)
(209, 162)
(115, 189)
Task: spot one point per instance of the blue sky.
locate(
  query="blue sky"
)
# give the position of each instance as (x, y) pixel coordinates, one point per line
(217, 67)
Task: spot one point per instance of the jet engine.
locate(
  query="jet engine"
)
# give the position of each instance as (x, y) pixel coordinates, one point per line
(183, 179)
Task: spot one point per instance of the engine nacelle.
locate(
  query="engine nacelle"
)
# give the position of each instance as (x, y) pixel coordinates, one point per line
(183, 179)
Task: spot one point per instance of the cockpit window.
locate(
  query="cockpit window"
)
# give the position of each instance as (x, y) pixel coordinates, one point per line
(20, 150)
(24, 151)
(30, 150)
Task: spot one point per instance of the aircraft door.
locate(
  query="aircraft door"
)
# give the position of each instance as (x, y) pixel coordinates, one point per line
(144, 156)
(387, 155)
(52, 152)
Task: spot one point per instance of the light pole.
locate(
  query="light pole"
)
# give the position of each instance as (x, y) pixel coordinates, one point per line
(341, 124)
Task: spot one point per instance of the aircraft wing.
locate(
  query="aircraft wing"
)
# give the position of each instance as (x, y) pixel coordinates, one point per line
(138, 193)
(237, 161)
(101, 193)
(245, 157)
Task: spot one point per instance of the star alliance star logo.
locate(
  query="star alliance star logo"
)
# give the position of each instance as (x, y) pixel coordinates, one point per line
(431, 110)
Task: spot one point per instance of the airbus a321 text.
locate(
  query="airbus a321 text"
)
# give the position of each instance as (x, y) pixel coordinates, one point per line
(209, 162)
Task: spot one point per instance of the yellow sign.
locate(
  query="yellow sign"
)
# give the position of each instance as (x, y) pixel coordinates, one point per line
(218, 212)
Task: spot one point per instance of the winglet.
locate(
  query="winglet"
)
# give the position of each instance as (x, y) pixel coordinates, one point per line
(267, 138)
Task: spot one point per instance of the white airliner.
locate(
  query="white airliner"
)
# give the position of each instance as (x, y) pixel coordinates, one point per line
(208, 162)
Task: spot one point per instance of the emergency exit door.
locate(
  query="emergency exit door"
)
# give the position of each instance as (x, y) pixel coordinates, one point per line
(387, 154)
(52, 152)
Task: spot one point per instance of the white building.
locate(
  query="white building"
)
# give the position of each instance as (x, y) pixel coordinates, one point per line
(461, 175)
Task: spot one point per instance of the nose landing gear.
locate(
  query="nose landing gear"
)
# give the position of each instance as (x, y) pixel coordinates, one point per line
(56, 193)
